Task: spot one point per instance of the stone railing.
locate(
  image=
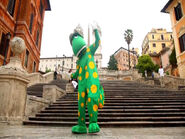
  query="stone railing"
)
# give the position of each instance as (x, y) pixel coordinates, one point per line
(35, 104)
(172, 82)
(119, 75)
(39, 78)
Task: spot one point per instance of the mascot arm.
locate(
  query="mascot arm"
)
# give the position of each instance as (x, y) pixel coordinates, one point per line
(95, 45)
(75, 75)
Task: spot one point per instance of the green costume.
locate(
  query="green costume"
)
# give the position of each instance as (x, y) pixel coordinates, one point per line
(90, 92)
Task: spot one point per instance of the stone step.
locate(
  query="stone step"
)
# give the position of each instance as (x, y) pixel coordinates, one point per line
(144, 91)
(136, 93)
(108, 124)
(118, 110)
(132, 98)
(107, 119)
(122, 101)
(124, 104)
(129, 97)
(114, 114)
(121, 107)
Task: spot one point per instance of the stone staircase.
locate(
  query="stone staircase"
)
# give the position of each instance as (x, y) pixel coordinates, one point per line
(127, 103)
(37, 89)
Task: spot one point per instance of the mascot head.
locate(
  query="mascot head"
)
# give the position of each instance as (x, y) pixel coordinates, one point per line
(77, 41)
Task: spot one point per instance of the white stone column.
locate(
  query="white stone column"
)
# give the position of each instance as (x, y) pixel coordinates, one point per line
(13, 85)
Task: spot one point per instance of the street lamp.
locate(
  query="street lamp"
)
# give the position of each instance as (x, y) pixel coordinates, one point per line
(8, 36)
(134, 54)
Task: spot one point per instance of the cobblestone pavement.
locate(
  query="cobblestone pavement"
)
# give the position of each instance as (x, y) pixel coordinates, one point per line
(45, 132)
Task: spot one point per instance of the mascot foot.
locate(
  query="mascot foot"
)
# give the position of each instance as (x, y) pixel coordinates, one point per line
(79, 129)
(94, 128)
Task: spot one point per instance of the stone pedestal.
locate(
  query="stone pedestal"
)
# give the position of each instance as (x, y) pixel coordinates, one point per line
(13, 85)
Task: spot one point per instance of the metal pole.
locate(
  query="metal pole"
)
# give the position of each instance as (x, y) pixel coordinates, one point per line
(129, 56)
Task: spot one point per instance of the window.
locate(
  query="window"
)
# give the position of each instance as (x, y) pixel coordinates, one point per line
(182, 43)
(152, 36)
(37, 38)
(26, 59)
(171, 36)
(154, 45)
(178, 12)
(162, 37)
(63, 62)
(11, 7)
(34, 66)
(41, 8)
(3, 45)
(31, 23)
(71, 65)
(163, 45)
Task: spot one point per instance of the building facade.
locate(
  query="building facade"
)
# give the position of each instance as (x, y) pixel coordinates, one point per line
(22, 18)
(162, 58)
(121, 55)
(156, 40)
(64, 63)
(176, 9)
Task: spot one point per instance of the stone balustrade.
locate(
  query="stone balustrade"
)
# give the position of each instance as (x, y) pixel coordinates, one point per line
(39, 78)
(119, 75)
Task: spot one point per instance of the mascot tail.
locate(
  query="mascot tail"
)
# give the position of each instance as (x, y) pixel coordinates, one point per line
(101, 102)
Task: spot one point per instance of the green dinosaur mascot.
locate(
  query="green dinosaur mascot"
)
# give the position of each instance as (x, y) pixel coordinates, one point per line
(90, 92)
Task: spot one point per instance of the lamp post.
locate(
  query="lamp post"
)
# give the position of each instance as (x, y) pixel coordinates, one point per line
(56, 64)
(134, 53)
(8, 36)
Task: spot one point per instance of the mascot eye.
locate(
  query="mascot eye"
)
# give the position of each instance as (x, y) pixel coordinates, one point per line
(76, 36)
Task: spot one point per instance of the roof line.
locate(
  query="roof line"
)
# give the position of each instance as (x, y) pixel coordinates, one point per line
(166, 6)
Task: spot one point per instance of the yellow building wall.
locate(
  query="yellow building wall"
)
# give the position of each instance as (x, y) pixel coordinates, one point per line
(156, 33)
(178, 28)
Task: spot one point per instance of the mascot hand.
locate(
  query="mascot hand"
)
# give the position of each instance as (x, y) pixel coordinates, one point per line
(72, 75)
(96, 26)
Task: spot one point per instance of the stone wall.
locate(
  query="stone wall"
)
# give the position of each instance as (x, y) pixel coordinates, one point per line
(39, 78)
(172, 82)
(52, 92)
(119, 75)
(34, 104)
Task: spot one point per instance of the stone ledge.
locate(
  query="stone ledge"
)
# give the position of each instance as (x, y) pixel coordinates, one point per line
(52, 92)
(34, 104)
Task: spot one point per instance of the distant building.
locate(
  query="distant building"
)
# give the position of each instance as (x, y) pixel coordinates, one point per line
(156, 40)
(63, 63)
(121, 55)
(23, 18)
(176, 9)
(162, 58)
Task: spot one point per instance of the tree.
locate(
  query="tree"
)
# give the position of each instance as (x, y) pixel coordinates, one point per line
(173, 59)
(128, 35)
(112, 65)
(48, 70)
(145, 63)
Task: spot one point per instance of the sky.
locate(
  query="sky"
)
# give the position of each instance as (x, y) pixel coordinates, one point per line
(113, 16)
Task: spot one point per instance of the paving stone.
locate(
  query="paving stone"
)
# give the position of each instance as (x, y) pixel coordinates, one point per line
(47, 132)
